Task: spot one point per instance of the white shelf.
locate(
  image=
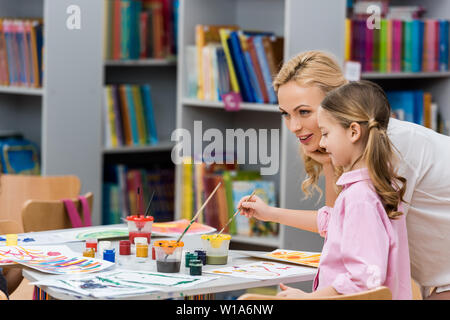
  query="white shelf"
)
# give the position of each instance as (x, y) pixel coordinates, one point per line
(405, 75)
(269, 241)
(163, 146)
(22, 90)
(220, 105)
(140, 63)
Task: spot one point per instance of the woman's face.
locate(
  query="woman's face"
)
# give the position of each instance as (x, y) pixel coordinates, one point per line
(299, 106)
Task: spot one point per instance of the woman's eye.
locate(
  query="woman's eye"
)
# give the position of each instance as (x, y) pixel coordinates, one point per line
(304, 112)
(284, 114)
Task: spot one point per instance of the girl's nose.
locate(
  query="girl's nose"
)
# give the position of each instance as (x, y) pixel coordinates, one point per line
(322, 144)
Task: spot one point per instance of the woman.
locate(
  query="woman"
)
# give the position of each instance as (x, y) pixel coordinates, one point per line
(424, 159)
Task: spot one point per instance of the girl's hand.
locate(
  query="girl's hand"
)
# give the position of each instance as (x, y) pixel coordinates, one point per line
(289, 292)
(319, 155)
(255, 208)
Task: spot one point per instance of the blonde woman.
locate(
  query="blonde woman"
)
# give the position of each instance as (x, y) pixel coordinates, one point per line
(423, 159)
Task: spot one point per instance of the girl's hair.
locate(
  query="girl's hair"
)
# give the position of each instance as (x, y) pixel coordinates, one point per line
(364, 102)
(311, 68)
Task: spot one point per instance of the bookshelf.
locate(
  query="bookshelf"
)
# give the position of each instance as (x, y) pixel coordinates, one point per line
(286, 18)
(62, 117)
(160, 74)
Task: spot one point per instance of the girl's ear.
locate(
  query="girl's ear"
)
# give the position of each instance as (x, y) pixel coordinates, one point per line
(355, 132)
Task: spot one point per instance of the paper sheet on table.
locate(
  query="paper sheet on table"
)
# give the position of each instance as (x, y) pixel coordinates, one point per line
(96, 285)
(158, 278)
(260, 270)
(12, 254)
(175, 228)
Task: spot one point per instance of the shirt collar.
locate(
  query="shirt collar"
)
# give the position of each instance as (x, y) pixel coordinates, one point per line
(353, 176)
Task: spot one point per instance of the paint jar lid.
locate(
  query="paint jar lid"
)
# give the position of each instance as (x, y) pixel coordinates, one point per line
(104, 244)
(91, 240)
(139, 218)
(11, 236)
(168, 243)
(124, 243)
(140, 240)
(109, 251)
(195, 263)
(216, 236)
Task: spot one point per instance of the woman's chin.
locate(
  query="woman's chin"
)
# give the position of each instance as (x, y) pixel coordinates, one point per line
(310, 147)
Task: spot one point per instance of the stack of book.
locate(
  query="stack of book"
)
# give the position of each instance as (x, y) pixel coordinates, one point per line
(140, 29)
(129, 118)
(416, 106)
(21, 49)
(414, 45)
(226, 59)
(120, 193)
(200, 179)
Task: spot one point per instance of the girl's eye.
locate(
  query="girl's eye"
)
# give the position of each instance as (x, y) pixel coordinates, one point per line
(324, 134)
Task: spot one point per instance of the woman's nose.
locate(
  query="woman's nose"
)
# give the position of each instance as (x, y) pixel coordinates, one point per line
(295, 125)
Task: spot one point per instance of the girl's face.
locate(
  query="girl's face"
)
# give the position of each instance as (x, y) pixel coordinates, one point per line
(343, 144)
(299, 106)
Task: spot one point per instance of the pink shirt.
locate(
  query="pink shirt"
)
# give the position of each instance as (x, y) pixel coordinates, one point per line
(363, 248)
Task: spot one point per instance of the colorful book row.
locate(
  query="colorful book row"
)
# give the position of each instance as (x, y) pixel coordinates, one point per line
(226, 59)
(140, 29)
(129, 117)
(398, 45)
(416, 106)
(199, 181)
(120, 197)
(21, 51)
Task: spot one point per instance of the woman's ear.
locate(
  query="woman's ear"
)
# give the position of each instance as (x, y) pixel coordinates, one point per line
(355, 132)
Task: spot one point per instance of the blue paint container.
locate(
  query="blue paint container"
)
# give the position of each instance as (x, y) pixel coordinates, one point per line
(109, 255)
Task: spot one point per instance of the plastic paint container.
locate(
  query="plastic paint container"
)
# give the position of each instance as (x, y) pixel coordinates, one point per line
(168, 255)
(139, 226)
(201, 254)
(109, 255)
(216, 247)
(103, 245)
(11, 239)
(195, 267)
(89, 252)
(188, 257)
(124, 248)
(91, 243)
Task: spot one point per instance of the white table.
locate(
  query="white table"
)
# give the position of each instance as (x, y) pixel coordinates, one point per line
(222, 284)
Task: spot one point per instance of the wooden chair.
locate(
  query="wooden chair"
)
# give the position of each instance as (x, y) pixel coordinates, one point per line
(380, 293)
(13, 275)
(16, 189)
(43, 215)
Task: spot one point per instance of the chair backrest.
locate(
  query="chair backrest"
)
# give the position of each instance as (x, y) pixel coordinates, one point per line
(10, 226)
(40, 215)
(380, 293)
(16, 189)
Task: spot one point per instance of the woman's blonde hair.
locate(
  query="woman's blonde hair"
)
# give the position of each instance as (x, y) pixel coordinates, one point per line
(311, 68)
(365, 103)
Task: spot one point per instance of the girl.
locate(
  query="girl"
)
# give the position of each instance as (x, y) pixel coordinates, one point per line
(301, 85)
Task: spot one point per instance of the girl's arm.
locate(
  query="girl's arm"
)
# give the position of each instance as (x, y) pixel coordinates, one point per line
(257, 208)
(300, 219)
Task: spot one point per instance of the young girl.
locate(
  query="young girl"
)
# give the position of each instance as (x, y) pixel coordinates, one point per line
(366, 242)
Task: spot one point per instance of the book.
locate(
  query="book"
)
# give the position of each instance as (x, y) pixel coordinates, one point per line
(125, 115)
(427, 113)
(402, 104)
(250, 67)
(132, 115)
(257, 69)
(224, 37)
(418, 107)
(117, 27)
(443, 45)
(118, 115)
(152, 134)
(110, 123)
(348, 41)
(389, 45)
(241, 68)
(140, 116)
(383, 54)
(257, 41)
(407, 46)
(430, 39)
(371, 43)
(397, 48)
(417, 34)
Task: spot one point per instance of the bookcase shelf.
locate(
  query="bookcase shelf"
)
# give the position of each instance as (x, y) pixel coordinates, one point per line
(219, 104)
(22, 90)
(405, 75)
(141, 63)
(162, 146)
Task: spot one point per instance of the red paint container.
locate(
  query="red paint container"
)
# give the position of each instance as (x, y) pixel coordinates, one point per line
(139, 226)
(124, 248)
(91, 243)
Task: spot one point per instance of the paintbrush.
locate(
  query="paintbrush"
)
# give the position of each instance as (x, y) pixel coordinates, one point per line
(197, 214)
(149, 203)
(229, 221)
(199, 211)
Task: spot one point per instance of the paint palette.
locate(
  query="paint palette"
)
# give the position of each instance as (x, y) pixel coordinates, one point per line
(304, 258)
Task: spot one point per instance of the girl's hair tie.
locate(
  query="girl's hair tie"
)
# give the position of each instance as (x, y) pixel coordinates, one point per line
(372, 123)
